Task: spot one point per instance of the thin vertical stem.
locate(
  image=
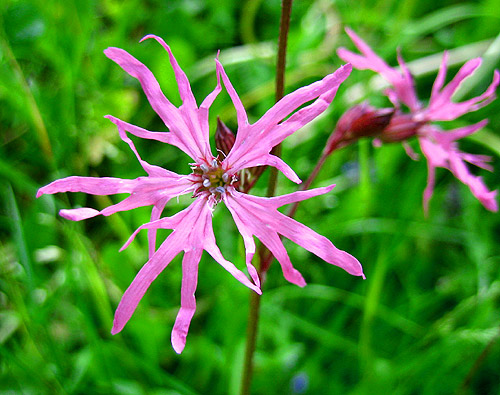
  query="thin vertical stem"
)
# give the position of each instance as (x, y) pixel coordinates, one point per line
(286, 10)
(254, 308)
(252, 326)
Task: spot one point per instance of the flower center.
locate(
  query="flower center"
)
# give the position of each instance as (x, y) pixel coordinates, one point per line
(212, 179)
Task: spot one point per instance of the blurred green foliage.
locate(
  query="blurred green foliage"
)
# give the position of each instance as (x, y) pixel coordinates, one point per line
(426, 320)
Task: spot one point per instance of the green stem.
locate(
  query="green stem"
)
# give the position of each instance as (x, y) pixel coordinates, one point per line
(253, 320)
(254, 308)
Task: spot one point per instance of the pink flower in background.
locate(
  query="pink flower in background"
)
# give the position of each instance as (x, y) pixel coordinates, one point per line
(213, 180)
(439, 147)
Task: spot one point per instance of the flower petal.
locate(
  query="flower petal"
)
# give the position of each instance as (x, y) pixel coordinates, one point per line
(182, 81)
(260, 217)
(188, 301)
(164, 137)
(211, 247)
(440, 78)
(459, 133)
(155, 215)
(254, 142)
(134, 293)
(402, 83)
(241, 114)
(171, 115)
(92, 185)
(192, 233)
(78, 214)
(443, 153)
(247, 227)
(189, 107)
(442, 108)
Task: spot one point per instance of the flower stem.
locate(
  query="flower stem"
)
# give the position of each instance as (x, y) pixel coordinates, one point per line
(253, 319)
(286, 10)
(254, 308)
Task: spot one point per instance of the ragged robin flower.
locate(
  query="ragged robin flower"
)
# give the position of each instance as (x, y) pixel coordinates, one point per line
(213, 179)
(439, 146)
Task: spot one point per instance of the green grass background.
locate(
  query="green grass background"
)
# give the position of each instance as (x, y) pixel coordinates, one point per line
(425, 321)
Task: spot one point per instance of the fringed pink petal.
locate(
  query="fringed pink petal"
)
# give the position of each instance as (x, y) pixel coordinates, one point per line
(164, 137)
(173, 222)
(203, 111)
(276, 131)
(318, 245)
(171, 115)
(92, 185)
(155, 215)
(475, 183)
(260, 217)
(465, 71)
(78, 214)
(241, 114)
(134, 293)
(185, 92)
(278, 201)
(249, 247)
(407, 91)
(446, 155)
(440, 78)
(273, 242)
(429, 188)
(441, 106)
(324, 89)
(409, 151)
(459, 133)
(189, 107)
(402, 83)
(478, 160)
(211, 247)
(254, 142)
(144, 191)
(301, 234)
(267, 160)
(190, 264)
(267, 235)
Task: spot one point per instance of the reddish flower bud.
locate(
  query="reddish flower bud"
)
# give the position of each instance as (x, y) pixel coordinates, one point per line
(359, 121)
(401, 127)
(224, 137)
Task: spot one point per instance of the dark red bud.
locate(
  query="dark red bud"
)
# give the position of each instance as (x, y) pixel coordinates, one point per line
(359, 121)
(402, 127)
(224, 137)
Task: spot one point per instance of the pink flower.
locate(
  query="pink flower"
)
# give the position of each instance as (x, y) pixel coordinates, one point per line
(213, 180)
(439, 147)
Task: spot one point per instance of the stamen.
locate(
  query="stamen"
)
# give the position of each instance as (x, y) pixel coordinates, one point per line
(225, 177)
(204, 167)
(214, 163)
(206, 183)
(220, 189)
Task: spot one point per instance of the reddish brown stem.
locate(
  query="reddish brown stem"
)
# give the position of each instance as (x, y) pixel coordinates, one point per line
(254, 309)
